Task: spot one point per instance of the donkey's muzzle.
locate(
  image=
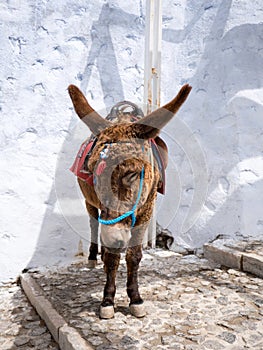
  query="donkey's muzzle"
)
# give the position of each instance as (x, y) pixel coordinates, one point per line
(115, 236)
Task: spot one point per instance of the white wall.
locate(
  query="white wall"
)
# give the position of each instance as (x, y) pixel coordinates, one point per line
(215, 143)
(218, 48)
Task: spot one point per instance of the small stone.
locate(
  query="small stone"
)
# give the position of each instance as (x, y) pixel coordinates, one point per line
(253, 338)
(20, 341)
(165, 306)
(98, 327)
(117, 326)
(228, 337)
(149, 337)
(205, 283)
(213, 345)
(193, 317)
(251, 325)
(234, 272)
(7, 344)
(119, 315)
(44, 339)
(258, 302)
(191, 347)
(251, 286)
(222, 300)
(38, 331)
(31, 325)
(196, 338)
(95, 341)
(194, 332)
(46, 345)
(127, 340)
(112, 337)
(32, 318)
(170, 339)
(13, 331)
(224, 276)
(243, 280)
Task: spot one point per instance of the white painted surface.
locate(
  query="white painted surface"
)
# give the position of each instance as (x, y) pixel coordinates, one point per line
(216, 46)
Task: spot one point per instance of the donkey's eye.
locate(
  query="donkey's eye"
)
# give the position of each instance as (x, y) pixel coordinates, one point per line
(129, 178)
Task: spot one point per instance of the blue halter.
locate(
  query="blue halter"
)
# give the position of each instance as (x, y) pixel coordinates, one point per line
(128, 213)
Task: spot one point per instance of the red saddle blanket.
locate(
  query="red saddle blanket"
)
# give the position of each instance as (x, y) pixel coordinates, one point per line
(78, 166)
(85, 150)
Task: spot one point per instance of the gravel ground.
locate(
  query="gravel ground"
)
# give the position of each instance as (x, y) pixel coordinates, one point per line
(20, 326)
(191, 304)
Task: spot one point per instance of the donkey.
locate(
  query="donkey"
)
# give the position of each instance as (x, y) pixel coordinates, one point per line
(120, 188)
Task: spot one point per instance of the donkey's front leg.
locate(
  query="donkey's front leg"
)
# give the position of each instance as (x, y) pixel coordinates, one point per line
(111, 264)
(133, 258)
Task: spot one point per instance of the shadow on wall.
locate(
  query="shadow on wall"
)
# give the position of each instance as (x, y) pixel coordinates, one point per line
(65, 220)
(231, 62)
(226, 56)
(103, 55)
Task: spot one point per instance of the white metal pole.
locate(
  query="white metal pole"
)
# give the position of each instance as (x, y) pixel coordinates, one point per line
(148, 57)
(152, 75)
(152, 61)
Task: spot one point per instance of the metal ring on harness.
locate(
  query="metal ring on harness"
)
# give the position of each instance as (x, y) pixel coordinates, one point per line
(122, 108)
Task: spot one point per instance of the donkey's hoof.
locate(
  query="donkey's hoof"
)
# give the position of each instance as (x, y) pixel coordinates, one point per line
(92, 264)
(137, 310)
(106, 312)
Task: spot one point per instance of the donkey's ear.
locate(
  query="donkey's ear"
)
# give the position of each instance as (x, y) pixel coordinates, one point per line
(86, 113)
(150, 125)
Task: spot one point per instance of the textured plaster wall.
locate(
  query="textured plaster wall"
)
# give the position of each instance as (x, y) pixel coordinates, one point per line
(214, 179)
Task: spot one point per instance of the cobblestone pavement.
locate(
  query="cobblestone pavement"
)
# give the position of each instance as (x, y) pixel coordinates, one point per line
(20, 326)
(190, 303)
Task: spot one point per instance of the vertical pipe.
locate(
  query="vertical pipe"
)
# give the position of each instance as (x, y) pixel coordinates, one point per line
(148, 57)
(152, 77)
(156, 64)
(152, 61)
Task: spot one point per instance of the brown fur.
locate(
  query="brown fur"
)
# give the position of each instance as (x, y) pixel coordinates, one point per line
(117, 186)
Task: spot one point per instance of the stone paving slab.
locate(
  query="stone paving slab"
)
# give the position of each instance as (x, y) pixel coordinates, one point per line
(67, 337)
(20, 325)
(191, 304)
(242, 255)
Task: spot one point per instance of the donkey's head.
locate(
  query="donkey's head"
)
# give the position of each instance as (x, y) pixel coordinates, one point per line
(125, 176)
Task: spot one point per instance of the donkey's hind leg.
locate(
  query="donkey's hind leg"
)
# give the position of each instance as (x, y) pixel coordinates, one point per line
(94, 226)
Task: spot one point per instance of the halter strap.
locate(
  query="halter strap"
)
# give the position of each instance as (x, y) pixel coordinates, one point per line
(130, 212)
